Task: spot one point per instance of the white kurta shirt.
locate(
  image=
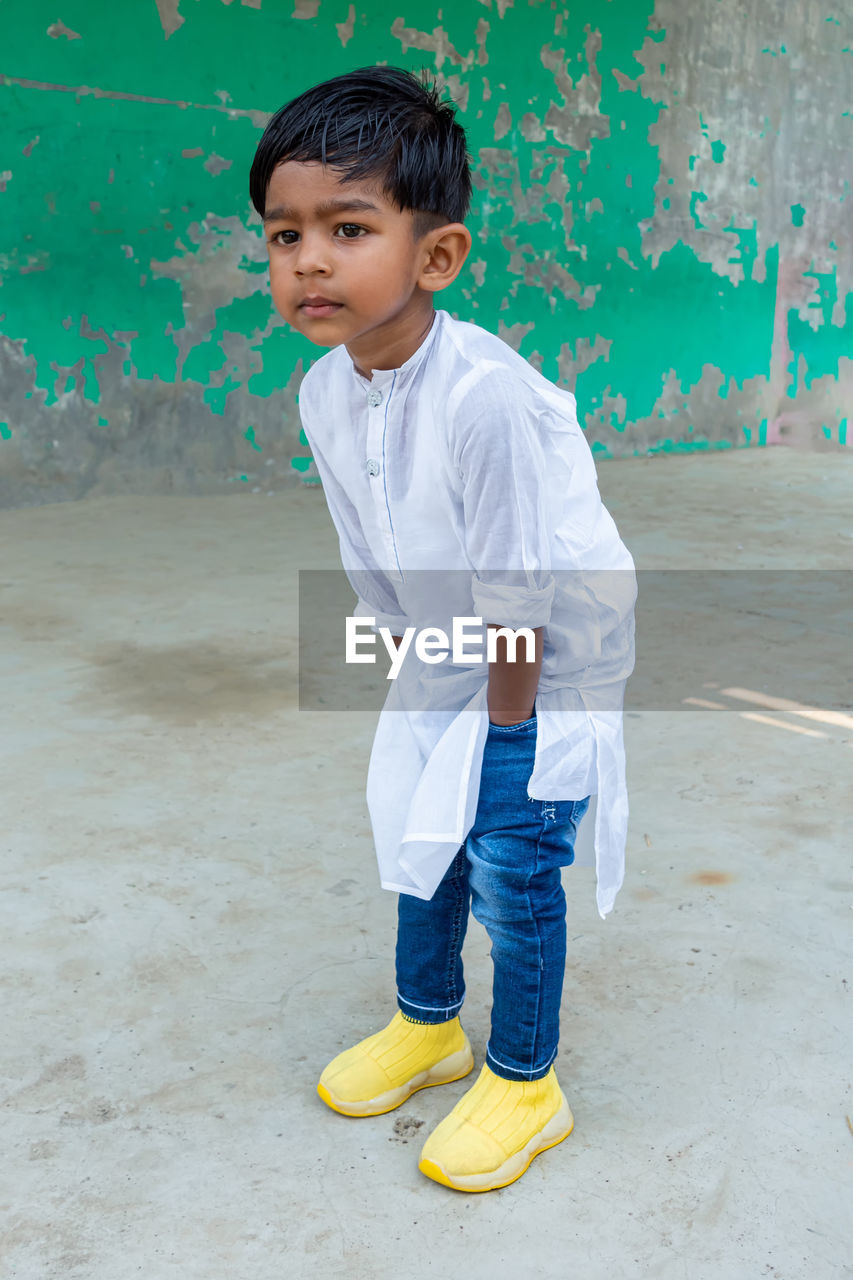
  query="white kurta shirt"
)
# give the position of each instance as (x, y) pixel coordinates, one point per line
(461, 485)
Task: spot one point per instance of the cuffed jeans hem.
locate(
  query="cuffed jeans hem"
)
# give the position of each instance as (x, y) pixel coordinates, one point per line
(512, 1073)
(425, 1013)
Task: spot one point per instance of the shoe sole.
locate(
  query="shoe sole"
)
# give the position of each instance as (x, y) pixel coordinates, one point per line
(454, 1067)
(558, 1127)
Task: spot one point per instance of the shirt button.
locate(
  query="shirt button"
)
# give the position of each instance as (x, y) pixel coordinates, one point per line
(374, 397)
(372, 467)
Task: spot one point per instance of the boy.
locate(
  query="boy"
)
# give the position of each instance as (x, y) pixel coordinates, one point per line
(461, 487)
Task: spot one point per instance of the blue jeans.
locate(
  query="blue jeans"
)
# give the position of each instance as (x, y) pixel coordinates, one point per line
(508, 871)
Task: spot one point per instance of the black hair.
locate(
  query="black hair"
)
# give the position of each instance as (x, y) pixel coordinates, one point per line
(380, 123)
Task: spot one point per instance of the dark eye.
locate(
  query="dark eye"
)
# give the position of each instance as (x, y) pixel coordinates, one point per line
(350, 226)
(275, 238)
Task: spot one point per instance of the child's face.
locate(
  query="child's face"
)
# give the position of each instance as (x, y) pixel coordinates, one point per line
(364, 260)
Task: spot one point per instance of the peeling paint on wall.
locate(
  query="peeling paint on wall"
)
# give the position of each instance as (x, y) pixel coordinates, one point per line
(660, 197)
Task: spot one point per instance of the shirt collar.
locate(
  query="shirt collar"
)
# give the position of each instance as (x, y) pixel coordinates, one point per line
(384, 377)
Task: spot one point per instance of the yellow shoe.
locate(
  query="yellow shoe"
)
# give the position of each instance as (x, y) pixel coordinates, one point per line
(379, 1073)
(495, 1130)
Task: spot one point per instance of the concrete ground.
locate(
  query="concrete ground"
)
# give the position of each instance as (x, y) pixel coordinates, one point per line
(193, 925)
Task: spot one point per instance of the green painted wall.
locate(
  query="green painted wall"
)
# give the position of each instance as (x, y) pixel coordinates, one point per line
(661, 196)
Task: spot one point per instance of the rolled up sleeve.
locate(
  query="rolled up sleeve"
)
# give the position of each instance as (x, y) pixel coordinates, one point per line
(498, 453)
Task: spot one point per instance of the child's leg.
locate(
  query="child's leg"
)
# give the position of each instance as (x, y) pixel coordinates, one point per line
(430, 985)
(384, 1069)
(515, 851)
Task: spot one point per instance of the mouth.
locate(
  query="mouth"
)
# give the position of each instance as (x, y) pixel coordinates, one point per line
(317, 310)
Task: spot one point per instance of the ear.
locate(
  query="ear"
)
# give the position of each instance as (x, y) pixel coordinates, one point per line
(444, 252)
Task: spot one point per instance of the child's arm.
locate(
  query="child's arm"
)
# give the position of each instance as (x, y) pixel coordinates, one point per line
(497, 449)
(513, 685)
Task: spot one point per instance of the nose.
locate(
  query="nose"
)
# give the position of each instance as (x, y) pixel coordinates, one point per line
(310, 256)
